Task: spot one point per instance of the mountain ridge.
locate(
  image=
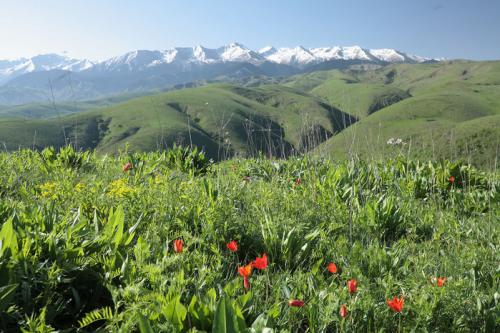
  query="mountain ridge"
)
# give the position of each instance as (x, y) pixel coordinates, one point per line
(61, 78)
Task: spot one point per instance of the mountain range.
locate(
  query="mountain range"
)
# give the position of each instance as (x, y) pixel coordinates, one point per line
(52, 77)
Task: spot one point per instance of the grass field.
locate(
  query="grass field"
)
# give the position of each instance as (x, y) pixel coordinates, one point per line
(89, 247)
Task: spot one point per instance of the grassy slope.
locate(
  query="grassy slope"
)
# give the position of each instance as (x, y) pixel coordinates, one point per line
(49, 110)
(226, 114)
(454, 112)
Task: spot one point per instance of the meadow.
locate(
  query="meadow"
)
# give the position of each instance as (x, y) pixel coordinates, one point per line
(172, 242)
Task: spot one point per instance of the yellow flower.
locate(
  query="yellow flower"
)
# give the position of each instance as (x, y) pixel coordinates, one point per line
(48, 190)
(119, 188)
(79, 187)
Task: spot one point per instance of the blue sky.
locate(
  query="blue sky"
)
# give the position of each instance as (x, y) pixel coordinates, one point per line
(99, 29)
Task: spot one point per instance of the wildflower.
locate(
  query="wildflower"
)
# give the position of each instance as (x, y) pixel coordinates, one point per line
(352, 285)
(296, 303)
(298, 181)
(79, 187)
(452, 180)
(332, 268)
(245, 272)
(49, 190)
(127, 166)
(119, 188)
(232, 246)
(343, 311)
(441, 281)
(178, 244)
(396, 304)
(260, 263)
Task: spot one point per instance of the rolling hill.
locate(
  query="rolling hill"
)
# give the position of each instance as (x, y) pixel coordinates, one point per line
(439, 110)
(224, 119)
(446, 110)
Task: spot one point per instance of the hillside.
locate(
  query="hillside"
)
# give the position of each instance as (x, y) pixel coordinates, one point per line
(442, 110)
(439, 110)
(224, 119)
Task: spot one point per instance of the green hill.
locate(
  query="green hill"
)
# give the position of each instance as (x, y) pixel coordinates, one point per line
(438, 110)
(224, 119)
(451, 110)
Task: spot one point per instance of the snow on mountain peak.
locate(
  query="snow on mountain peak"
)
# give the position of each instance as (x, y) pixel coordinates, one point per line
(184, 56)
(389, 55)
(238, 53)
(290, 56)
(354, 53)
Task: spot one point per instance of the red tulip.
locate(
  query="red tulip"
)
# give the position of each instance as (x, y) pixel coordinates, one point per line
(127, 166)
(352, 285)
(396, 304)
(178, 244)
(296, 303)
(260, 263)
(332, 268)
(245, 271)
(441, 281)
(343, 311)
(232, 246)
(452, 180)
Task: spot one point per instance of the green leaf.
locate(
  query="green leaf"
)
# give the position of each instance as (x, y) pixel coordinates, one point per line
(8, 238)
(175, 312)
(6, 295)
(225, 320)
(263, 324)
(144, 326)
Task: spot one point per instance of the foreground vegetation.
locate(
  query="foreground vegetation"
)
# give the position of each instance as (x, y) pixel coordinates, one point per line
(143, 242)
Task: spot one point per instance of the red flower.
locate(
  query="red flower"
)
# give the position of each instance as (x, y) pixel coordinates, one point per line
(441, 281)
(178, 244)
(452, 180)
(296, 303)
(396, 304)
(126, 167)
(260, 263)
(245, 271)
(343, 311)
(332, 268)
(232, 246)
(352, 285)
(298, 181)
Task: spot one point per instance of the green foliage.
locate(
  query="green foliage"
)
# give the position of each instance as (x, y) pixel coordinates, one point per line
(87, 246)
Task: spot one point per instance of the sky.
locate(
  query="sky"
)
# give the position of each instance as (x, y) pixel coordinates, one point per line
(99, 29)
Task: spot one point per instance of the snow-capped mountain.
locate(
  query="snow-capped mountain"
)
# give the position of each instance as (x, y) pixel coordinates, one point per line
(10, 69)
(146, 70)
(234, 52)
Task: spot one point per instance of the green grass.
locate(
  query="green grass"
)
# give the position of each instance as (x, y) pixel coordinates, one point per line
(58, 109)
(87, 246)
